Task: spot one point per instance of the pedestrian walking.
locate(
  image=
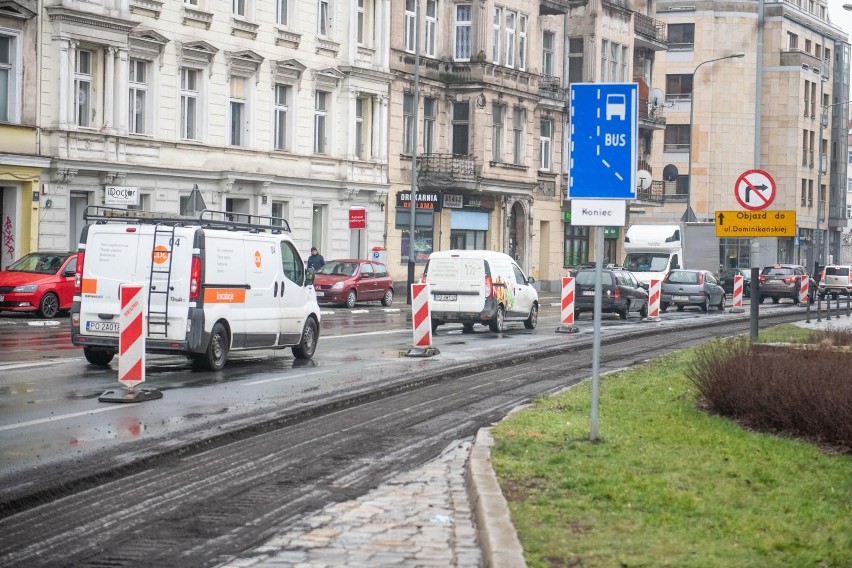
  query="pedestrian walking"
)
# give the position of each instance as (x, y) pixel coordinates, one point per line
(315, 261)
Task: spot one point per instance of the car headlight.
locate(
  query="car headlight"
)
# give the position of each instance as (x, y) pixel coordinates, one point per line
(28, 289)
(337, 285)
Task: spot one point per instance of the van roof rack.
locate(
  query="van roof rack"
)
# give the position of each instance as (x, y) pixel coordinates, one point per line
(207, 218)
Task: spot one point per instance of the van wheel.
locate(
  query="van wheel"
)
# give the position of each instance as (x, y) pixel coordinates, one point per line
(498, 323)
(643, 311)
(49, 306)
(217, 350)
(532, 321)
(98, 357)
(435, 324)
(308, 343)
(388, 299)
(663, 306)
(350, 299)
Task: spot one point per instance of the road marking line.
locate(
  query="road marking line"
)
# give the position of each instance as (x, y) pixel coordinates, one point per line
(289, 377)
(55, 418)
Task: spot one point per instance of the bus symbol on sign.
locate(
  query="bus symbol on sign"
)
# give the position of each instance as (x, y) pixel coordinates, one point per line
(616, 105)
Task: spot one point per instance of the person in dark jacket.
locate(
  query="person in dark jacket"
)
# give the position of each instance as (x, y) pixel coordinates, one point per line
(315, 261)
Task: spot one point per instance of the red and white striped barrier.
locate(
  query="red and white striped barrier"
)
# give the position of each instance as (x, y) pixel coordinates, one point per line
(568, 300)
(738, 292)
(654, 299)
(421, 316)
(131, 341)
(803, 290)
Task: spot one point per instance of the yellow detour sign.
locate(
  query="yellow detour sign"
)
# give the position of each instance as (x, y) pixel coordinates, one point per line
(755, 224)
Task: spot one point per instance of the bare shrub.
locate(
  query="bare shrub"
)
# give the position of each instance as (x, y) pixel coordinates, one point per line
(800, 390)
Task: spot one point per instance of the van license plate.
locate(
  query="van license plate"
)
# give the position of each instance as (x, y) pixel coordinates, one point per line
(107, 326)
(445, 297)
(680, 298)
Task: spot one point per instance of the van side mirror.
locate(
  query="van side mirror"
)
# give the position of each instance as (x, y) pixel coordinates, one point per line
(309, 276)
(675, 266)
(530, 280)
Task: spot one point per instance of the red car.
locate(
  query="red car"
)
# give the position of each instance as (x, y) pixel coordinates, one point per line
(41, 282)
(347, 281)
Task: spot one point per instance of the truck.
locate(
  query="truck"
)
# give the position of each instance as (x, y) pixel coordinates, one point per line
(652, 250)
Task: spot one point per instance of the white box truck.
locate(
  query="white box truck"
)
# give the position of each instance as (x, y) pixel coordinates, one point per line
(218, 282)
(651, 250)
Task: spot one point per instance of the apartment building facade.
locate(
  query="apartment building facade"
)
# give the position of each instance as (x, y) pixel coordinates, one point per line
(710, 134)
(271, 107)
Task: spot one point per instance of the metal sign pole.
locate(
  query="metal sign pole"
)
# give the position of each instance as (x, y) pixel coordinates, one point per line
(596, 341)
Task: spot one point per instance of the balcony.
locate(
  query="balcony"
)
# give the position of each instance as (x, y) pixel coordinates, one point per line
(653, 194)
(554, 7)
(649, 33)
(551, 88)
(808, 62)
(651, 117)
(448, 170)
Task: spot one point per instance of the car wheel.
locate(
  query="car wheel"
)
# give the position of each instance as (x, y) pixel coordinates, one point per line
(49, 306)
(722, 303)
(663, 306)
(577, 314)
(705, 305)
(625, 312)
(435, 324)
(775, 299)
(680, 307)
(760, 300)
(643, 311)
(216, 355)
(498, 322)
(98, 357)
(308, 342)
(532, 321)
(467, 327)
(388, 298)
(350, 299)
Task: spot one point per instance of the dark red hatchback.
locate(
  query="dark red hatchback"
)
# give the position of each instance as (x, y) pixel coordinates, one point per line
(347, 281)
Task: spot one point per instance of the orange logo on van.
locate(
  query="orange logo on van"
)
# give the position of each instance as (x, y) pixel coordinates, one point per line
(160, 254)
(257, 258)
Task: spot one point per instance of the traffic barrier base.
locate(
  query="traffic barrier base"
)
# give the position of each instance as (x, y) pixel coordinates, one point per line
(130, 395)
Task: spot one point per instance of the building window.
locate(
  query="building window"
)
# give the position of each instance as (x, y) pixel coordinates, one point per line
(83, 87)
(360, 23)
(604, 59)
(318, 226)
(498, 114)
(804, 147)
(804, 200)
(461, 128)
(495, 48)
(431, 26)
(613, 62)
(522, 42)
(681, 37)
(239, 114)
(280, 210)
(282, 110)
(410, 26)
(462, 28)
(429, 118)
(677, 138)
(624, 63)
(239, 7)
(518, 119)
(10, 69)
(679, 187)
(408, 123)
(511, 23)
(282, 12)
(679, 87)
(138, 100)
(320, 122)
(364, 127)
(792, 41)
(547, 42)
(576, 245)
(575, 60)
(324, 18)
(546, 145)
(189, 106)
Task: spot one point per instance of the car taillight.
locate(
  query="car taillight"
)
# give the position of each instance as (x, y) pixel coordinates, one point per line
(489, 287)
(195, 278)
(78, 273)
(700, 279)
(822, 275)
(790, 280)
(761, 278)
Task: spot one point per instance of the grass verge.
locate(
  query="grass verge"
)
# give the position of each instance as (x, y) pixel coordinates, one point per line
(668, 485)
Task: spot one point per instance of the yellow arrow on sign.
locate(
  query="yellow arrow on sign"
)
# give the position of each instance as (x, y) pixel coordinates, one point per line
(732, 224)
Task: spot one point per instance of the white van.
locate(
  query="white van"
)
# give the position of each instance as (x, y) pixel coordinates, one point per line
(218, 282)
(479, 286)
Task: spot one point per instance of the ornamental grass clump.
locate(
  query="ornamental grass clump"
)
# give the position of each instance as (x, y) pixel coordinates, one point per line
(801, 390)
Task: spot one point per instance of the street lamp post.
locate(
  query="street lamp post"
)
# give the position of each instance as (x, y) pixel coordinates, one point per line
(689, 215)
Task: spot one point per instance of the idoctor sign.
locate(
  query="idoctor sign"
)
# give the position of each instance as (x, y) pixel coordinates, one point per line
(121, 195)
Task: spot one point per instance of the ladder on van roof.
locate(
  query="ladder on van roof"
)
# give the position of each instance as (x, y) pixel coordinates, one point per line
(160, 280)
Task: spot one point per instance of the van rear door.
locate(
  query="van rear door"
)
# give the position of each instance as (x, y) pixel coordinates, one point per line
(457, 283)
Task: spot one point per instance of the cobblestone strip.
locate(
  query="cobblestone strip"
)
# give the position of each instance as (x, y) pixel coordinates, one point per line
(421, 518)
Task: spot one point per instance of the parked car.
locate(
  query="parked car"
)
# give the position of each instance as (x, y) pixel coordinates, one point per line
(621, 292)
(347, 281)
(726, 280)
(41, 282)
(683, 288)
(784, 281)
(835, 279)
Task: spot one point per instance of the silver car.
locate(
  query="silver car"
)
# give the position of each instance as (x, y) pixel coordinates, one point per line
(683, 288)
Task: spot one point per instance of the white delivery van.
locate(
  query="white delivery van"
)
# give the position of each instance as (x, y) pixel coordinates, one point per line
(214, 283)
(479, 286)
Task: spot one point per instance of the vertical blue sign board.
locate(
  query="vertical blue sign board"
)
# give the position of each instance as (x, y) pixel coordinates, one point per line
(602, 156)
